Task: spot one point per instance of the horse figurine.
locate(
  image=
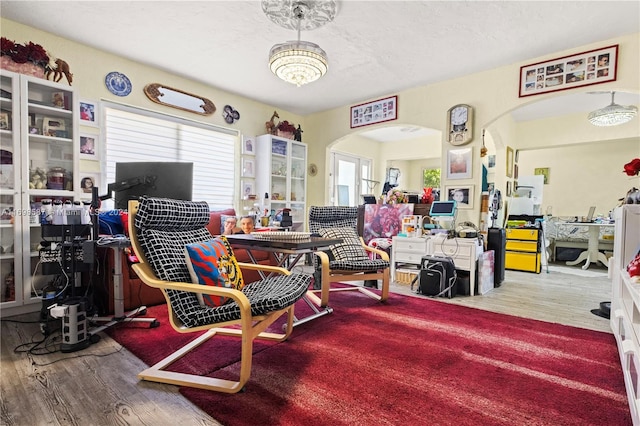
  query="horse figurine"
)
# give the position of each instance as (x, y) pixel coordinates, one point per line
(270, 125)
(62, 68)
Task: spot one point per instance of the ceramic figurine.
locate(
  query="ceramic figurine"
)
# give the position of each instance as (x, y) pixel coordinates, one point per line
(270, 125)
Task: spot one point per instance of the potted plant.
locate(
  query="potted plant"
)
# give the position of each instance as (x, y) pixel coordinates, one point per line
(286, 129)
(28, 58)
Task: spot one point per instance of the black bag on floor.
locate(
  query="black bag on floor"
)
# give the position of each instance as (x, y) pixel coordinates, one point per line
(437, 277)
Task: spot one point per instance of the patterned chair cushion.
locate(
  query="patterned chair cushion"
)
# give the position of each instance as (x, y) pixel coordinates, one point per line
(164, 250)
(350, 249)
(332, 217)
(213, 263)
(362, 266)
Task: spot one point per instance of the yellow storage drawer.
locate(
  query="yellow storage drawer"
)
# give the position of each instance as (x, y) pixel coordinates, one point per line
(522, 234)
(528, 246)
(528, 262)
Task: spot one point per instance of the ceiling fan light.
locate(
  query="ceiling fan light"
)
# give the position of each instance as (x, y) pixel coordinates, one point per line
(299, 62)
(613, 114)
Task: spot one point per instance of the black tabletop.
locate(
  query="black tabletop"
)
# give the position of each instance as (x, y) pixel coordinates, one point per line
(274, 243)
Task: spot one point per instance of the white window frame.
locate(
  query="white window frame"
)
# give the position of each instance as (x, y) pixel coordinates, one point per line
(212, 149)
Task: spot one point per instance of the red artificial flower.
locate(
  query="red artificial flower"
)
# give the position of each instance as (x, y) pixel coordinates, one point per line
(632, 168)
(7, 47)
(285, 126)
(23, 53)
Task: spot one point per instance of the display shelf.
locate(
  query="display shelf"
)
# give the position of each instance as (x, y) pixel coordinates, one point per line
(281, 172)
(31, 102)
(625, 302)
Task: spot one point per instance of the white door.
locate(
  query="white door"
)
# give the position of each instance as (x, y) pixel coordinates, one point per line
(350, 179)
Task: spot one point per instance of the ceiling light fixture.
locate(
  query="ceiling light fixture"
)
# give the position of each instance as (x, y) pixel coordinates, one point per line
(299, 62)
(613, 115)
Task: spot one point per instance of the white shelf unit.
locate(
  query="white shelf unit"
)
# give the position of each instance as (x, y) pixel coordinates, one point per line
(281, 172)
(625, 302)
(30, 102)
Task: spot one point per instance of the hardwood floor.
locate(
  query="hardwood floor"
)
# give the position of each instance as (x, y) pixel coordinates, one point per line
(98, 385)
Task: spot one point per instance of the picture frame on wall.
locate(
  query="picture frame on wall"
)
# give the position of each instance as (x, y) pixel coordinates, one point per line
(459, 163)
(374, 112)
(89, 146)
(88, 111)
(248, 189)
(248, 145)
(509, 159)
(88, 181)
(567, 72)
(461, 194)
(248, 167)
(544, 171)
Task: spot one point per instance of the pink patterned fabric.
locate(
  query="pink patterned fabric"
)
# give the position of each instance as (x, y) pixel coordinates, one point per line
(384, 220)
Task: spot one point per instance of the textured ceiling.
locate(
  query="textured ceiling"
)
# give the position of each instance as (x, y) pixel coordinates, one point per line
(375, 48)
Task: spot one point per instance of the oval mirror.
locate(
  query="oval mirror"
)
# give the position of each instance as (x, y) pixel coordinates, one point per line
(169, 96)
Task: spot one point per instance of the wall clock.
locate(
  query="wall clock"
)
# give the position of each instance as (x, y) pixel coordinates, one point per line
(460, 124)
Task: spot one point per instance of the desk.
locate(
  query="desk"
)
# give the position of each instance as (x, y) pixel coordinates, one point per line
(591, 254)
(282, 248)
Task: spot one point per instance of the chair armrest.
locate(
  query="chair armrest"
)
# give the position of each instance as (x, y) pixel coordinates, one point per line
(324, 258)
(146, 274)
(266, 268)
(383, 254)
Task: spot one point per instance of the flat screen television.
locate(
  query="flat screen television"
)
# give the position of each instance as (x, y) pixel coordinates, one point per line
(151, 178)
(443, 208)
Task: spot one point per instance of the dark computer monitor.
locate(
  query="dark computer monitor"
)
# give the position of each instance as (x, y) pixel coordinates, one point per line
(154, 179)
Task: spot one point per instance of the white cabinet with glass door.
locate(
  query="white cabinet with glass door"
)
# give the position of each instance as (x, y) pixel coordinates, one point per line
(39, 163)
(281, 172)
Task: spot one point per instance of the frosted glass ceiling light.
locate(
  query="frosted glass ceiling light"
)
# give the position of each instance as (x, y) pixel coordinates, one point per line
(299, 62)
(613, 115)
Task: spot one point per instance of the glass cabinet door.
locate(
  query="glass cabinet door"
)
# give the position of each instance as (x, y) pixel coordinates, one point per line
(10, 243)
(279, 172)
(298, 181)
(50, 152)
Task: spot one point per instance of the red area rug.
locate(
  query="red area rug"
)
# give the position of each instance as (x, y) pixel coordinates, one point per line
(410, 361)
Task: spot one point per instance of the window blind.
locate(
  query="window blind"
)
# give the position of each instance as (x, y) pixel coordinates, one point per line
(132, 136)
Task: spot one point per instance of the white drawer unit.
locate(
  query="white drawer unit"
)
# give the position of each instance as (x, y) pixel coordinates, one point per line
(407, 250)
(463, 251)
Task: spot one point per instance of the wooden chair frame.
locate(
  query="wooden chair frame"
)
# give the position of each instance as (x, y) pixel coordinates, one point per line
(251, 327)
(329, 275)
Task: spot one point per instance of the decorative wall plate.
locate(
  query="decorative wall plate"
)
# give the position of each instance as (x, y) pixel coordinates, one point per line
(230, 115)
(313, 169)
(118, 83)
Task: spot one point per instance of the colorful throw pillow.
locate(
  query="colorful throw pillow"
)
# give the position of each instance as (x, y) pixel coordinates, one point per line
(213, 263)
(350, 248)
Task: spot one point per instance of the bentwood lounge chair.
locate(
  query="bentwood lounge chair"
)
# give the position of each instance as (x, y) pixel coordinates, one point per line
(160, 229)
(348, 261)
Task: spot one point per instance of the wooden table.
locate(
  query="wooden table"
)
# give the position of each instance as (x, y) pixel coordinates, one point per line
(282, 248)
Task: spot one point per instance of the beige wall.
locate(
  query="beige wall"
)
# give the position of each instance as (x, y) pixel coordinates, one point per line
(492, 93)
(90, 66)
(580, 176)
